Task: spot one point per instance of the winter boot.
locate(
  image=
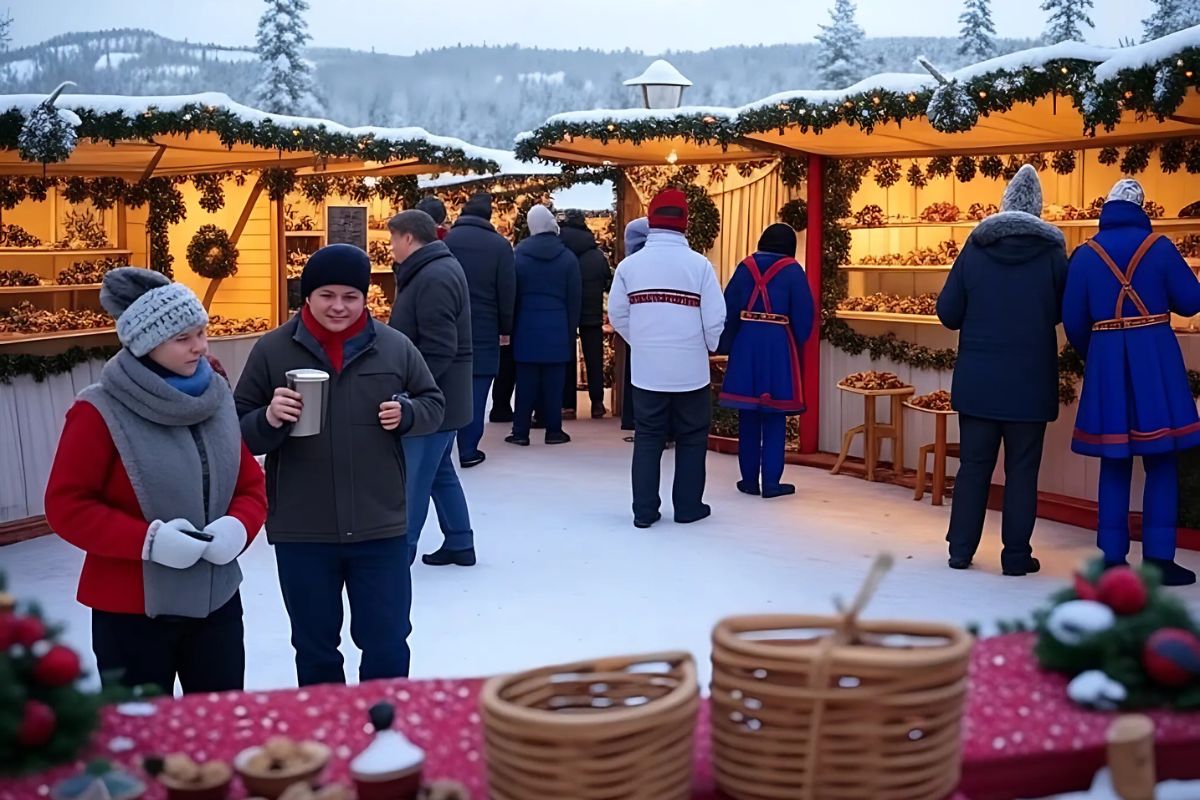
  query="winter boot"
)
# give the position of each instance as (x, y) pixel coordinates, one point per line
(1032, 566)
(747, 487)
(1172, 574)
(778, 491)
(444, 558)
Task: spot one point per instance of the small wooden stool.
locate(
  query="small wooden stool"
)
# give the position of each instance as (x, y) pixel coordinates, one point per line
(940, 450)
(875, 432)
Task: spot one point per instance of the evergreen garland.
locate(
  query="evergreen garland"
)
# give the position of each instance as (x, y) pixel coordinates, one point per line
(795, 214)
(212, 190)
(41, 367)
(1136, 159)
(1064, 162)
(964, 169)
(211, 253)
(1109, 156)
(940, 167)
(793, 171)
(916, 176)
(887, 172)
(279, 182)
(991, 167)
(1171, 155)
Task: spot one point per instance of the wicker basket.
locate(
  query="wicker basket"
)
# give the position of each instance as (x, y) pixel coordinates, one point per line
(827, 708)
(612, 729)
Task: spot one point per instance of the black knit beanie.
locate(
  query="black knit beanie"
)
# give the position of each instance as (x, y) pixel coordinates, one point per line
(336, 265)
(434, 208)
(779, 239)
(480, 205)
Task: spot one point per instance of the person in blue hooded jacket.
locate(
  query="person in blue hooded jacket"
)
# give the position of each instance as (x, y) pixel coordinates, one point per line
(1121, 287)
(549, 291)
(1004, 297)
(768, 318)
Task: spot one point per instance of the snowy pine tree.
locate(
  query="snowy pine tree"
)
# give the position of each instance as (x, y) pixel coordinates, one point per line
(977, 33)
(1066, 19)
(841, 60)
(1170, 16)
(287, 81)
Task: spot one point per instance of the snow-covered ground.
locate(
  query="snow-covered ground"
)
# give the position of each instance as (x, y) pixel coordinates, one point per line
(563, 574)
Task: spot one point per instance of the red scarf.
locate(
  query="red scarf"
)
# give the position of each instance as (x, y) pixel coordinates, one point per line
(332, 342)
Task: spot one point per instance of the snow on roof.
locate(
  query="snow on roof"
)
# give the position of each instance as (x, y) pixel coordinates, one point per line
(132, 106)
(1144, 55)
(662, 72)
(1035, 57)
(617, 115)
(509, 165)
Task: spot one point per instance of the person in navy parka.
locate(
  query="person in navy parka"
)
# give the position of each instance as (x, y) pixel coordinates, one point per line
(768, 318)
(1121, 287)
(547, 315)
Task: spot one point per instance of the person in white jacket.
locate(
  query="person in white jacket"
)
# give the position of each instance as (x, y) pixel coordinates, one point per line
(667, 304)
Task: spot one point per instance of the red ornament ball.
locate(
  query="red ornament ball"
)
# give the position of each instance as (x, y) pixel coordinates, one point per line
(58, 667)
(1122, 590)
(1171, 657)
(8, 630)
(37, 724)
(1083, 589)
(28, 631)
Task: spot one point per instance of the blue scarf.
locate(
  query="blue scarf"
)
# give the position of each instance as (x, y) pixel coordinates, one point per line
(193, 386)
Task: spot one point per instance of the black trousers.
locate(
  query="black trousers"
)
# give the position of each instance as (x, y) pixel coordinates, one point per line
(504, 385)
(979, 444)
(592, 340)
(207, 655)
(627, 416)
(684, 417)
(538, 389)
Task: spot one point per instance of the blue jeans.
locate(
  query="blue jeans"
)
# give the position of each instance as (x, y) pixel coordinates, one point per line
(1160, 507)
(468, 437)
(762, 438)
(431, 476)
(375, 576)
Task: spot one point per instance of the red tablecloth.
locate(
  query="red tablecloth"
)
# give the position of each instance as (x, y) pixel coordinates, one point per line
(1023, 738)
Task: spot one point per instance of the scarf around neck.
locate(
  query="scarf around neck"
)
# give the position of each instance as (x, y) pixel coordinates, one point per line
(332, 342)
(194, 384)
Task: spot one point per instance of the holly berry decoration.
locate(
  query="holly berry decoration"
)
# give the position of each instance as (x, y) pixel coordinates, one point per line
(1084, 590)
(38, 723)
(1171, 657)
(58, 667)
(27, 631)
(1122, 590)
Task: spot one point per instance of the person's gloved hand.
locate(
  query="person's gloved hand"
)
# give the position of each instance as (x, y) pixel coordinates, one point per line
(229, 540)
(167, 544)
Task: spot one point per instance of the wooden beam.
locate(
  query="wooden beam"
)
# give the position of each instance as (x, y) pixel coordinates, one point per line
(236, 234)
(153, 165)
(773, 147)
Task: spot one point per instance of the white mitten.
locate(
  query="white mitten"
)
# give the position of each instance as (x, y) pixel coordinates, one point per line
(167, 544)
(229, 540)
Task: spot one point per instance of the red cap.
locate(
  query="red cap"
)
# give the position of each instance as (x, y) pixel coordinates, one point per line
(669, 209)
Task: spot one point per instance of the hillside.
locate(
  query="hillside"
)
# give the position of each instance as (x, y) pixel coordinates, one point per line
(483, 94)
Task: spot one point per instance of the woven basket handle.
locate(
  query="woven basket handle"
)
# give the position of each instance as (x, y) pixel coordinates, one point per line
(848, 629)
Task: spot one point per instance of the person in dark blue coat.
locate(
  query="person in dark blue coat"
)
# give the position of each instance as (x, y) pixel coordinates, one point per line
(487, 261)
(547, 314)
(768, 318)
(1121, 288)
(1004, 297)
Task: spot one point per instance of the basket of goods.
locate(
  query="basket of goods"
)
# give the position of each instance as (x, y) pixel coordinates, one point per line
(934, 401)
(82, 273)
(811, 707)
(16, 236)
(882, 302)
(25, 318)
(979, 211)
(16, 277)
(872, 381)
(380, 253)
(1093, 210)
(1189, 245)
(224, 326)
(184, 779)
(611, 728)
(941, 212)
(1154, 210)
(870, 217)
(269, 770)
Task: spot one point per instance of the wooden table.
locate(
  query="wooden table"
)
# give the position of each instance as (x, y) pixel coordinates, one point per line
(940, 449)
(874, 431)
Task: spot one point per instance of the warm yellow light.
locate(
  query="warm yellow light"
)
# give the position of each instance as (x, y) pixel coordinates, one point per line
(1128, 95)
(1188, 74)
(612, 127)
(672, 157)
(710, 120)
(982, 94)
(875, 99)
(1064, 70)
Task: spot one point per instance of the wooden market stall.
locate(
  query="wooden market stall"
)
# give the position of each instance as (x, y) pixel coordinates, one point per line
(901, 167)
(190, 186)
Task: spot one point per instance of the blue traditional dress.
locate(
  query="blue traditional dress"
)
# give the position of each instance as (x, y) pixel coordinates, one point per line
(769, 316)
(1121, 287)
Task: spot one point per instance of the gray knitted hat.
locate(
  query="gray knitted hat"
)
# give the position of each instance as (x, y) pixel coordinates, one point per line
(149, 308)
(1129, 190)
(1024, 192)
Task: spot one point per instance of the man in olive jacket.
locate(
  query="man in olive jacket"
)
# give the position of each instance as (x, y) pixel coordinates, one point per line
(433, 308)
(335, 516)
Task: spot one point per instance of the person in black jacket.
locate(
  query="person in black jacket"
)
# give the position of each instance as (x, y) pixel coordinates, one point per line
(596, 277)
(432, 308)
(1004, 296)
(548, 290)
(487, 260)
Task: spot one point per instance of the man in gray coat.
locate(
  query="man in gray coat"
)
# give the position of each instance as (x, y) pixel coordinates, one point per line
(432, 308)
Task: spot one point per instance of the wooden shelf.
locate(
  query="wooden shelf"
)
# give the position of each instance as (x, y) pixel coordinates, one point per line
(887, 316)
(1164, 222)
(22, 338)
(304, 234)
(50, 289)
(914, 224)
(382, 271)
(897, 268)
(58, 251)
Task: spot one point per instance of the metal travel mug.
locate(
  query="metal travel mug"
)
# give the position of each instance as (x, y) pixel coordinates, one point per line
(313, 386)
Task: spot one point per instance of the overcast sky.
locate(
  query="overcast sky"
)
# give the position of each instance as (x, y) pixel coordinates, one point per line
(405, 26)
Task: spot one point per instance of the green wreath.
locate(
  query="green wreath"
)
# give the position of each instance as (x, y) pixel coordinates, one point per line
(795, 213)
(211, 253)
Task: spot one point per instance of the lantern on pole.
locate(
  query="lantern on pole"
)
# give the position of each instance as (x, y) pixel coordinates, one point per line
(662, 85)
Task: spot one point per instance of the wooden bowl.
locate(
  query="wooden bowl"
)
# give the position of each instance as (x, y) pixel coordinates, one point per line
(271, 784)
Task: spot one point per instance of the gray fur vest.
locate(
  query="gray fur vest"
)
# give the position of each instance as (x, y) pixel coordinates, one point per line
(182, 454)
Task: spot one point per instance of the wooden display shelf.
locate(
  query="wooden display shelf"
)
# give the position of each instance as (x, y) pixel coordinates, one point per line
(888, 316)
(897, 268)
(1163, 222)
(51, 288)
(25, 338)
(58, 251)
(304, 234)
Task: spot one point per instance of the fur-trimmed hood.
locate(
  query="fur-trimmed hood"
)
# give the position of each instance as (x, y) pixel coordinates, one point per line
(1015, 223)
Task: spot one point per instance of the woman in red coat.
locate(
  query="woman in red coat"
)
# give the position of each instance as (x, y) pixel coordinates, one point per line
(151, 480)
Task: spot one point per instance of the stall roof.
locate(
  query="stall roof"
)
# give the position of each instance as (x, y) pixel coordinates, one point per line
(1061, 96)
(507, 166)
(136, 137)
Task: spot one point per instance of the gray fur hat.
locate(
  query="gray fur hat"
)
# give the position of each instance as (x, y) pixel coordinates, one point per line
(149, 308)
(636, 233)
(1024, 192)
(1129, 190)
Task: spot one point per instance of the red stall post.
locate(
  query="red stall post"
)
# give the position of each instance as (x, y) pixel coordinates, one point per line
(810, 421)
